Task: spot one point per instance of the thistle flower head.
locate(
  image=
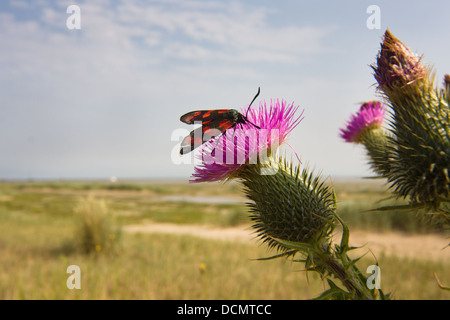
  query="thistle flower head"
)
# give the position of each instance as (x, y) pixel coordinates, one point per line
(396, 65)
(369, 116)
(225, 155)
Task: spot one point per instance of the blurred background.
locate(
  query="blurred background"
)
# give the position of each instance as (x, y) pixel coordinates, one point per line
(105, 99)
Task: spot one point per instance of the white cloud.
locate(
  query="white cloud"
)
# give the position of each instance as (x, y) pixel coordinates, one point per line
(231, 32)
(138, 35)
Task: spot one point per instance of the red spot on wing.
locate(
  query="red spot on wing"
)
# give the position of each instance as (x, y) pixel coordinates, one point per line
(207, 114)
(188, 117)
(189, 140)
(225, 124)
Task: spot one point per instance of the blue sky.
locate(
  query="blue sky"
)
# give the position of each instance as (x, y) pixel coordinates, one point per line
(104, 100)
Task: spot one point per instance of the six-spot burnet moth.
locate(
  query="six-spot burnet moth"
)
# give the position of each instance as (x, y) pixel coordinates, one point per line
(221, 120)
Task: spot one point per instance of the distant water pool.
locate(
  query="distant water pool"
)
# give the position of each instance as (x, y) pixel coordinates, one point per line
(202, 199)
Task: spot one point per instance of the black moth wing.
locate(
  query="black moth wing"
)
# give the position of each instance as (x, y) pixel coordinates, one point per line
(210, 115)
(190, 142)
(214, 122)
(199, 136)
(192, 116)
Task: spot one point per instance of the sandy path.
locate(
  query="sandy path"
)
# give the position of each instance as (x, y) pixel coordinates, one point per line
(403, 245)
(226, 234)
(389, 243)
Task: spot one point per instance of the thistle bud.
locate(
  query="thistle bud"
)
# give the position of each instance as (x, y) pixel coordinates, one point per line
(420, 136)
(396, 65)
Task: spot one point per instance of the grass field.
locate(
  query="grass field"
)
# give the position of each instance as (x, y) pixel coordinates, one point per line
(40, 237)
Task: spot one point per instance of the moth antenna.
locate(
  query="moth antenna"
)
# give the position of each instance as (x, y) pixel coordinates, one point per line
(257, 94)
(253, 125)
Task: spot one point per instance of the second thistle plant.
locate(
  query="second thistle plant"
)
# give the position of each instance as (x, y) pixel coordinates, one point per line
(414, 154)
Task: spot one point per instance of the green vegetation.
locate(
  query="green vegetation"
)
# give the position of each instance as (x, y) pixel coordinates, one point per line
(95, 231)
(134, 202)
(40, 234)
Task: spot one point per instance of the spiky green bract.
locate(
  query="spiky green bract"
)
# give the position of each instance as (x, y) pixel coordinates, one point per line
(419, 167)
(290, 205)
(295, 212)
(377, 143)
(420, 162)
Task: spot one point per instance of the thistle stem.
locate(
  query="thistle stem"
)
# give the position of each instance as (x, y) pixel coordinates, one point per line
(349, 276)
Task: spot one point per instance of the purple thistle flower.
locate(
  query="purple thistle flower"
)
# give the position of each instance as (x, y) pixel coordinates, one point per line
(369, 116)
(223, 156)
